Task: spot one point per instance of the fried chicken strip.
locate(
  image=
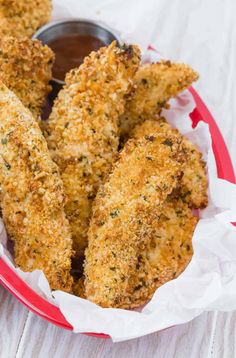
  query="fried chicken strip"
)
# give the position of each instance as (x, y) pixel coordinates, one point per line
(82, 132)
(32, 195)
(165, 255)
(126, 212)
(193, 185)
(26, 69)
(155, 84)
(23, 17)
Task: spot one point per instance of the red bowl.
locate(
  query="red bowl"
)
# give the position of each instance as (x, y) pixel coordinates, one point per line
(51, 313)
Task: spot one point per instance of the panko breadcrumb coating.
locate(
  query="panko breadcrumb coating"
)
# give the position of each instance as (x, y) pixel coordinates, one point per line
(155, 84)
(165, 255)
(82, 131)
(126, 212)
(193, 185)
(26, 69)
(23, 17)
(32, 195)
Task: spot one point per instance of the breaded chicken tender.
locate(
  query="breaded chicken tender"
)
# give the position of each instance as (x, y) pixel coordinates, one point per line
(126, 213)
(26, 69)
(155, 84)
(23, 17)
(193, 185)
(165, 255)
(32, 195)
(82, 131)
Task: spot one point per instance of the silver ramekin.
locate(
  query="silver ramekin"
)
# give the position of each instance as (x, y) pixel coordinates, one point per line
(57, 29)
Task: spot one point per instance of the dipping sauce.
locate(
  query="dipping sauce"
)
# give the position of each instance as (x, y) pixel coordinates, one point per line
(70, 50)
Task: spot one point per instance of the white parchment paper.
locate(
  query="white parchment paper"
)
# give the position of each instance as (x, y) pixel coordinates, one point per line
(209, 281)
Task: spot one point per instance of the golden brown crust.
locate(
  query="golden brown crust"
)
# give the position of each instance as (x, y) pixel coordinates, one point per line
(82, 132)
(23, 17)
(126, 213)
(193, 185)
(165, 255)
(32, 195)
(155, 84)
(26, 69)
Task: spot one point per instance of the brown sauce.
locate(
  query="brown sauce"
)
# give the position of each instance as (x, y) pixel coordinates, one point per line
(70, 51)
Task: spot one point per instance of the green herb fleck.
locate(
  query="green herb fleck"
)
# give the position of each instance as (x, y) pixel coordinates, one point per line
(83, 159)
(7, 165)
(101, 223)
(143, 197)
(168, 142)
(114, 213)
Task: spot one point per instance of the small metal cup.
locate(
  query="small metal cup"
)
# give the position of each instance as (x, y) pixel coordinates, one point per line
(58, 29)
